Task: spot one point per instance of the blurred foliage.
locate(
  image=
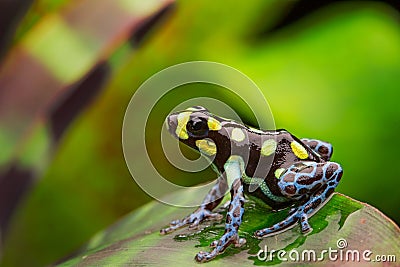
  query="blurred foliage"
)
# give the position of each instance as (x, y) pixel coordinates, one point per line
(38, 10)
(334, 75)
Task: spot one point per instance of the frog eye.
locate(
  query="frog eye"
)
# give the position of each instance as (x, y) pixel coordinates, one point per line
(197, 127)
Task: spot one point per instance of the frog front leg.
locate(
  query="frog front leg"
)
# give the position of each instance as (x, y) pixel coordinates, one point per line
(314, 182)
(232, 223)
(204, 212)
(233, 170)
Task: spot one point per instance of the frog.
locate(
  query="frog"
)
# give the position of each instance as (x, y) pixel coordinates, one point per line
(273, 166)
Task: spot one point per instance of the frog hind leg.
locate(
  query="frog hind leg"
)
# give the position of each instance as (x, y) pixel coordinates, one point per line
(322, 148)
(310, 180)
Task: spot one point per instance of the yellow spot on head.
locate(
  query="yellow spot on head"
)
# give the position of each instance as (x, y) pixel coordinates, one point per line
(207, 147)
(183, 119)
(278, 172)
(299, 150)
(268, 147)
(238, 135)
(213, 124)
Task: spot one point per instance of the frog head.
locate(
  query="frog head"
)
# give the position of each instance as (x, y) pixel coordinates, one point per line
(199, 129)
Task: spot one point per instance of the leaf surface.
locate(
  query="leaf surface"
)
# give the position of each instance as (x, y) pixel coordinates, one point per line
(342, 222)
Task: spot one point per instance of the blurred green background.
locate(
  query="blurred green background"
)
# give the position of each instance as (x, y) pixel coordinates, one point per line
(333, 74)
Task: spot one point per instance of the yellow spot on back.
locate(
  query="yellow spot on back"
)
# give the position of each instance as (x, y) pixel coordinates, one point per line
(213, 124)
(278, 172)
(299, 150)
(268, 147)
(207, 147)
(183, 119)
(238, 135)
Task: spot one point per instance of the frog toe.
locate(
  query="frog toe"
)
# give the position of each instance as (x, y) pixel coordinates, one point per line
(240, 242)
(175, 222)
(258, 234)
(305, 226)
(278, 227)
(214, 216)
(203, 256)
(194, 224)
(200, 257)
(170, 229)
(214, 244)
(165, 231)
(206, 215)
(174, 225)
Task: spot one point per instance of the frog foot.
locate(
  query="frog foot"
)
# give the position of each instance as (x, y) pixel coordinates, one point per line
(193, 220)
(285, 224)
(298, 214)
(277, 227)
(220, 246)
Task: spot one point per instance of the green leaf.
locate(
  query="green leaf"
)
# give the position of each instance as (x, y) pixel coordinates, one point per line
(135, 240)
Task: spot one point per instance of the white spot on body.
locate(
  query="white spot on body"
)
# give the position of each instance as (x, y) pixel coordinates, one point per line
(268, 147)
(238, 135)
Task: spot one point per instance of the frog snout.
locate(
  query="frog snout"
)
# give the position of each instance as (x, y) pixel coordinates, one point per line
(171, 122)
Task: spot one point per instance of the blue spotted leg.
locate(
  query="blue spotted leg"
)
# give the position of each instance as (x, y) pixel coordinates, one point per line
(324, 149)
(204, 212)
(232, 223)
(314, 182)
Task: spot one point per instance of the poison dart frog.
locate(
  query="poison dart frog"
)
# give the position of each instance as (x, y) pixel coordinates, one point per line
(272, 165)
